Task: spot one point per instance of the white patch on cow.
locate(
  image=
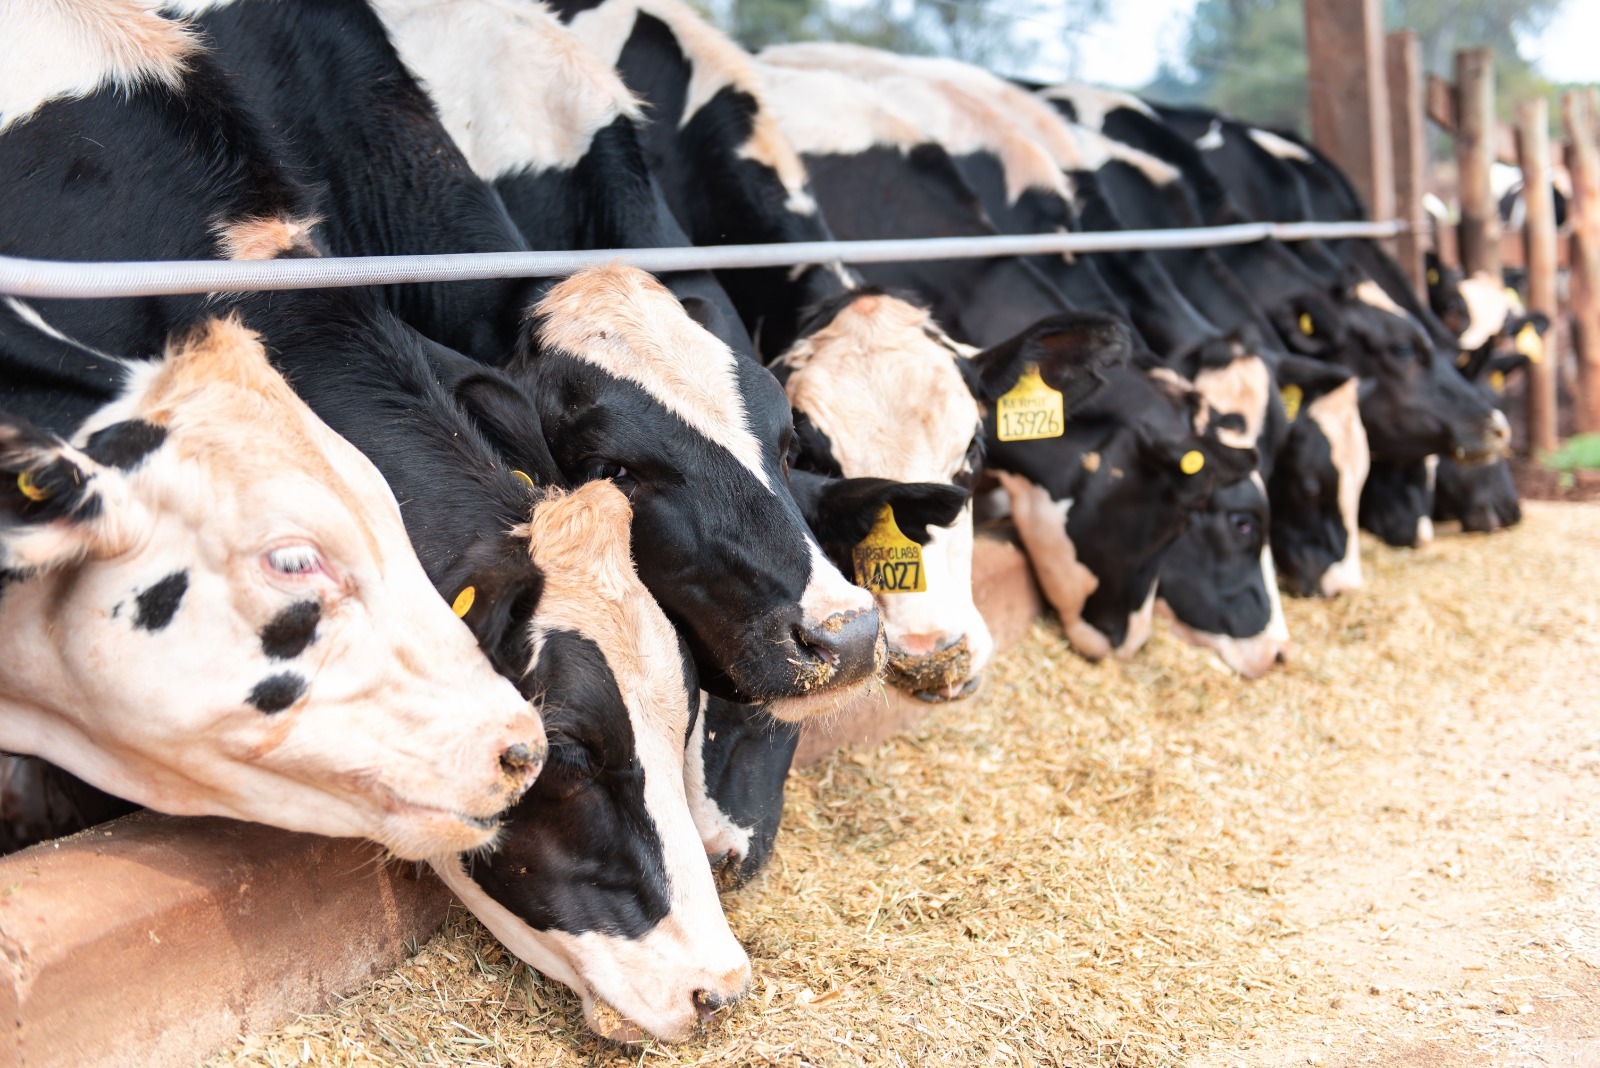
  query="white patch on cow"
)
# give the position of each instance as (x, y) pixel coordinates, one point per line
(720, 836)
(891, 400)
(1279, 146)
(69, 49)
(266, 238)
(580, 541)
(827, 114)
(1091, 104)
(397, 727)
(1041, 523)
(629, 325)
(1487, 309)
(1371, 294)
(1241, 388)
(516, 90)
(30, 315)
(963, 108)
(191, 8)
(715, 63)
(1212, 139)
(1099, 150)
(1337, 414)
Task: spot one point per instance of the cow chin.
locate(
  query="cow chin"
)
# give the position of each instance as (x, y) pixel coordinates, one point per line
(943, 675)
(826, 703)
(422, 834)
(1251, 657)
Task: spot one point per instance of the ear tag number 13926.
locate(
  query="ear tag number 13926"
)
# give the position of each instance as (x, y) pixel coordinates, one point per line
(886, 560)
(1031, 409)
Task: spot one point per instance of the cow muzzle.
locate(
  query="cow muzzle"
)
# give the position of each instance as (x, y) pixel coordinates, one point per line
(945, 673)
(1489, 440)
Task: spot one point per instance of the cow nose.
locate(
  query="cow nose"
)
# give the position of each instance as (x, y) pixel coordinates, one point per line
(845, 644)
(521, 764)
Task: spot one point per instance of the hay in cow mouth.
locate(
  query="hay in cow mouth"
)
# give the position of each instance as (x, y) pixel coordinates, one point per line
(933, 673)
(1106, 864)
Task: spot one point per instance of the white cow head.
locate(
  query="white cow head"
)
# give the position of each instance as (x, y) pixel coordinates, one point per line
(208, 605)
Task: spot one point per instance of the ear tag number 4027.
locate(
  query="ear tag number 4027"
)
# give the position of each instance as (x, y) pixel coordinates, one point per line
(887, 561)
(1030, 410)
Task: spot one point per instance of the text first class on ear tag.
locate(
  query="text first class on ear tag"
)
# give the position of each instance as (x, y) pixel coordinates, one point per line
(1192, 462)
(1306, 326)
(1030, 410)
(30, 489)
(463, 602)
(1529, 343)
(1292, 396)
(886, 561)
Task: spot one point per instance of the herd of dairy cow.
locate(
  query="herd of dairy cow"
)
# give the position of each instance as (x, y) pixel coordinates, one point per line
(240, 534)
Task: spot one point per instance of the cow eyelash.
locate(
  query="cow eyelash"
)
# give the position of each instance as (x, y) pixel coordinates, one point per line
(294, 560)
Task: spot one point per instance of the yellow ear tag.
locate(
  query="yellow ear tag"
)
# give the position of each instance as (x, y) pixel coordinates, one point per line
(1497, 381)
(1463, 359)
(1192, 462)
(1306, 325)
(1030, 410)
(1292, 396)
(886, 560)
(1529, 343)
(30, 489)
(1433, 277)
(463, 602)
(524, 478)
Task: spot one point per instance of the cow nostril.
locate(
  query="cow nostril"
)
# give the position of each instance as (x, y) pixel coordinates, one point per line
(706, 1004)
(521, 760)
(816, 646)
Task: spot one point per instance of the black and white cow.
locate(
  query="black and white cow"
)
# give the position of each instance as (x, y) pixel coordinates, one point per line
(203, 524)
(208, 499)
(696, 431)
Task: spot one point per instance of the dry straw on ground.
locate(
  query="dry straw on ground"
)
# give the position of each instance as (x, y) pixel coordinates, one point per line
(1085, 865)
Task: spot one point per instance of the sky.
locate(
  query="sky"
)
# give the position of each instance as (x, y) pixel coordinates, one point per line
(1126, 49)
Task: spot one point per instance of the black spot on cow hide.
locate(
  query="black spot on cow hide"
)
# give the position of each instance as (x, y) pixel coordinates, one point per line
(159, 603)
(291, 630)
(125, 445)
(277, 692)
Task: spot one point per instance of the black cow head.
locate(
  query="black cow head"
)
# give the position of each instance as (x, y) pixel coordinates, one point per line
(599, 879)
(1413, 402)
(631, 389)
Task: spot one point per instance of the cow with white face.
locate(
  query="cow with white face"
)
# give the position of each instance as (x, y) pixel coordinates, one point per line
(204, 525)
(600, 880)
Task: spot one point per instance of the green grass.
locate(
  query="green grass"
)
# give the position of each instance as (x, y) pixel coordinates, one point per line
(1579, 451)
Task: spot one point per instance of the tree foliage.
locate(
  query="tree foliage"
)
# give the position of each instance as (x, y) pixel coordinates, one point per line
(1247, 57)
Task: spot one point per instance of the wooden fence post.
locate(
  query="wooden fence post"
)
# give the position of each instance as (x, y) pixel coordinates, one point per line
(1403, 67)
(1350, 97)
(1533, 145)
(1583, 161)
(1475, 151)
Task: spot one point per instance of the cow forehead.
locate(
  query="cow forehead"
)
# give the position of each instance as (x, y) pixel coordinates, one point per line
(628, 325)
(886, 393)
(68, 50)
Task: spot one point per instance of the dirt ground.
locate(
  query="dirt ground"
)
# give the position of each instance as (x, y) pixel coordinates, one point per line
(1386, 853)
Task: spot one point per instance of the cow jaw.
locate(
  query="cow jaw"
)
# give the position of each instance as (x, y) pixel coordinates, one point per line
(339, 696)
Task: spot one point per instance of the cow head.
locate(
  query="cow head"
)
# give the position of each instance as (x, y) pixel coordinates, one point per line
(878, 392)
(1217, 580)
(1397, 502)
(1445, 298)
(600, 880)
(211, 607)
(632, 389)
(1317, 479)
(1413, 403)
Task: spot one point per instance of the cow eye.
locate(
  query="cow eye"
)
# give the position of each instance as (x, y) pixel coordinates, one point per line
(1244, 524)
(294, 561)
(614, 471)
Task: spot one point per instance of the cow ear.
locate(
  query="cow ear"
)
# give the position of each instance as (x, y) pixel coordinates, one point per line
(1309, 325)
(840, 511)
(1313, 378)
(1069, 350)
(58, 506)
(497, 599)
(507, 417)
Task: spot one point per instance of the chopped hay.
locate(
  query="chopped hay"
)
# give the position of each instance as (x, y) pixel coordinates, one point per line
(1086, 864)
